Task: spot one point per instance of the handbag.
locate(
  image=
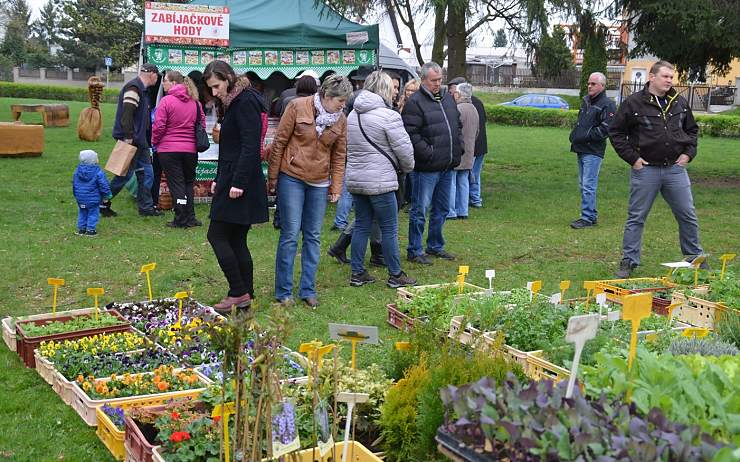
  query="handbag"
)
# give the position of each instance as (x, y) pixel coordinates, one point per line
(400, 176)
(120, 158)
(201, 137)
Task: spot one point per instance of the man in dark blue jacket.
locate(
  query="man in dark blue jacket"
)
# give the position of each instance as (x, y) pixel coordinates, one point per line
(132, 126)
(588, 141)
(431, 118)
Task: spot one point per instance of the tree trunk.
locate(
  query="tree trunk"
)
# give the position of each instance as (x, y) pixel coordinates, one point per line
(440, 32)
(456, 38)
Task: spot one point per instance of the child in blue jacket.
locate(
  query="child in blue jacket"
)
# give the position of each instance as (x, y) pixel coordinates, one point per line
(90, 187)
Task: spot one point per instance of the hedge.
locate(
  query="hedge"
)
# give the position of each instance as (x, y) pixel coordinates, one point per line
(717, 125)
(52, 92)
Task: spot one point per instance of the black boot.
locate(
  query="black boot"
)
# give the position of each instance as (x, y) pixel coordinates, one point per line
(181, 217)
(376, 254)
(106, 210)
(339, 249)
(190, 220)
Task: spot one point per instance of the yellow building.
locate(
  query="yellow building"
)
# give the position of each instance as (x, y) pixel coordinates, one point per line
(636, 70)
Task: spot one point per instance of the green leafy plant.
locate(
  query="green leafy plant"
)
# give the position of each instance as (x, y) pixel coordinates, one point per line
(536, 422)
(725, 291)
(728, 327)
(692, 390)
(39, 328)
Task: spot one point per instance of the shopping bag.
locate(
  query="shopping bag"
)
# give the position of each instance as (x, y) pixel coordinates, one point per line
(120, 158)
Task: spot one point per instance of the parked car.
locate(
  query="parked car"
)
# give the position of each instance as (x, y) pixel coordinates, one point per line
(539, 101)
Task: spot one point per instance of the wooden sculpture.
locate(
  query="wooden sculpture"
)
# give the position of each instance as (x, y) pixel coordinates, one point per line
(91, 119)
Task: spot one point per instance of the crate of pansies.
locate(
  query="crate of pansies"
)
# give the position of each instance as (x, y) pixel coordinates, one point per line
(30, 333)
(705, 306)
(293, 368)
(147, 316)
(8, 323)
(162, 384)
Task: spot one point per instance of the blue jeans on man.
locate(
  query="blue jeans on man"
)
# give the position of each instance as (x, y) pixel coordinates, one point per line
(430, 189)
(475, 190)
(588, 182)
(384, 209)
(141, 165)
(344, 207)
(459, 194)
(673, 183)
(302, 209)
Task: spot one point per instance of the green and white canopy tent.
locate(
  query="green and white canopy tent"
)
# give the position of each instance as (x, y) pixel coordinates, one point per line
(267, 36)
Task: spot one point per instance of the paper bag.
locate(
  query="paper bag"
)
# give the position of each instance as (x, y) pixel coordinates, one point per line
(120, 158)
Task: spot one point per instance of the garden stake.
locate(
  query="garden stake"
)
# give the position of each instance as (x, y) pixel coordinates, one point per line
(224, 411)
(534, 289)
(54, 282)
(590, 287)
(556, 298)
(696, 263)
(463, 270)
(146, 269)
(695, 332)
(490, 275)
(725, 258)
(580, 330)
(601, 301)
(564, 285)
(95, 292)
(636, 307)
(179, 296)
(351, 399)
(403, 346)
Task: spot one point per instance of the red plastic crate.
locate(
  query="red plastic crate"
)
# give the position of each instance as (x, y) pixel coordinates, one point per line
(399, 319)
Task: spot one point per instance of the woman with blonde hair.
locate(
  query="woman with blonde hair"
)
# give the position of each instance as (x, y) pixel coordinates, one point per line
(378, 151)
(307, 163)
(411, 87)
(173, 134)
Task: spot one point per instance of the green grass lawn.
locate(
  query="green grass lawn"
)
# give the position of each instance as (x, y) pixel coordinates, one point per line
(530, 196)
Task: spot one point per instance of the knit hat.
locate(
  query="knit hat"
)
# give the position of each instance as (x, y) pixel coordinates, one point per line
(88, 157)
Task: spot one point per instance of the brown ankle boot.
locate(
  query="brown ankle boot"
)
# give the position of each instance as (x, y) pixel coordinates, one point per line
(224, 306)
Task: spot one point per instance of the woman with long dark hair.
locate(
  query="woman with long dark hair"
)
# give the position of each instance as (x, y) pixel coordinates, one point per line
(239, 194)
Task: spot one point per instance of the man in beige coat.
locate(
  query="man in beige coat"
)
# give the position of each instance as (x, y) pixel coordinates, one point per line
(460, 187)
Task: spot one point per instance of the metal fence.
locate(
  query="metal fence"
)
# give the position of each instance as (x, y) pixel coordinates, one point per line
(699, 96)
(522, 77)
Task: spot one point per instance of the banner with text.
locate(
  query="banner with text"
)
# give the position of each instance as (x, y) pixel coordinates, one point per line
(185, 24)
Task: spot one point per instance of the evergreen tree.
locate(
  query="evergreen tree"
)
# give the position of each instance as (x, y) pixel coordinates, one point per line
(499, 40)
(552, 55)
(16, 31)
(46, 27)
(594, 54)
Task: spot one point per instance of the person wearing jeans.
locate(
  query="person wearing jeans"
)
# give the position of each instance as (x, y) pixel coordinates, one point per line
(655, 133)
(588, 141)
(476, 200)
(378, 150)
(306, 165)
(344, 207)
(460, 188)
(432, 121)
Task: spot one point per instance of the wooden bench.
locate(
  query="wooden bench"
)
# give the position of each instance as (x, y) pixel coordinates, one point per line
(19, 140)
(55, 115)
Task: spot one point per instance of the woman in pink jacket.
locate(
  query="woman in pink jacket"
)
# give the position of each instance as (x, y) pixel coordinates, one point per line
(173, 133)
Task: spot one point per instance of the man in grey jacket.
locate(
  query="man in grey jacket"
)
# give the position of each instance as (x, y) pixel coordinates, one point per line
(588, 141)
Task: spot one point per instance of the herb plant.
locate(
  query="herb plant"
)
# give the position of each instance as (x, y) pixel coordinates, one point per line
(77, 323)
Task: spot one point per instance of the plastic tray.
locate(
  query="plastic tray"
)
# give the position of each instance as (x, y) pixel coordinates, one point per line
(26, 345)
(511, 353)
(616, 294)
(399, 319)
(697, 311)
(539, 368)
(408, 293)
(45, 368)
(86, 407)
(468, 335)
(8, 323)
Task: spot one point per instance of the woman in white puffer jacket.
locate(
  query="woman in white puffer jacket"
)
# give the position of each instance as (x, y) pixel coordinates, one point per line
(374, 159)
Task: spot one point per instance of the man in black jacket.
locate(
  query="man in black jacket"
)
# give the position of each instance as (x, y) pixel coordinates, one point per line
(654, 131)
(431, 118)
(588, 141)
(481, 144)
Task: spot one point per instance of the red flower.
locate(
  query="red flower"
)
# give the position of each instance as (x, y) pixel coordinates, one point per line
(217, 419)
(175, 415)
(177, 437)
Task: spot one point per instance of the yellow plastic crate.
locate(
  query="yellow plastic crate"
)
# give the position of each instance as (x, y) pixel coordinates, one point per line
(539, 368)
(356, 452)
(509, 352)
(616, 294)
(112, 437)
(697, 311)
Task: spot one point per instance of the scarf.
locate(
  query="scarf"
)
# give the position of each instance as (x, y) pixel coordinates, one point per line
(324, 119)
(241, 84)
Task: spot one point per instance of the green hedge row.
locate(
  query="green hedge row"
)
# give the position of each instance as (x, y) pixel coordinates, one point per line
(53, 92)
(725, 126)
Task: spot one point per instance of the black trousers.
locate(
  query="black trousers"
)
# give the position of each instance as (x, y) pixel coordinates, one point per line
(179, 167)
(157, 171)
(229, 242)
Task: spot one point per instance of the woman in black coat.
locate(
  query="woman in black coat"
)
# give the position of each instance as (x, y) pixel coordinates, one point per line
(239, 192)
